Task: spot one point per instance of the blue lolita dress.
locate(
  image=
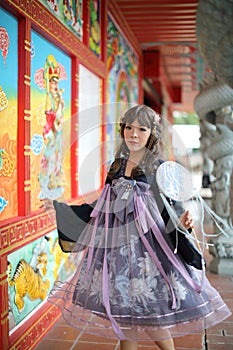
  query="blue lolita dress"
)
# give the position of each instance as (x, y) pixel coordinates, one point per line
(128, 283)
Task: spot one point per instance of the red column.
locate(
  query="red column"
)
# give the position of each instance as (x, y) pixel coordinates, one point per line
(152, 74)
(74, 127)
(104, 32)
(86, 22)
(24, 117)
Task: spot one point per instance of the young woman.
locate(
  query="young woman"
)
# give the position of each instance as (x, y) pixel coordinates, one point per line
(129, 284)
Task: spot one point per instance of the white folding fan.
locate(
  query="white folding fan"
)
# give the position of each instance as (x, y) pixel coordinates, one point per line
(175, 183)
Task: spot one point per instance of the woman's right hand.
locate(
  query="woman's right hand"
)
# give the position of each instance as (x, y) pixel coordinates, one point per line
(47, 204)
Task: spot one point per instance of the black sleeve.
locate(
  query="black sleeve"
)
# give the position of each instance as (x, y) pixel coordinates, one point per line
(83, 211)
(108, 180)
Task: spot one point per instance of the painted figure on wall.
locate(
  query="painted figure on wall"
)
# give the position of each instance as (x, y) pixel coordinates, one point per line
(95, 33)
(8, 115)
(122, 80)
(32, 270)
(69, 12)
(122, 66)
(28, 281)
(50, 176)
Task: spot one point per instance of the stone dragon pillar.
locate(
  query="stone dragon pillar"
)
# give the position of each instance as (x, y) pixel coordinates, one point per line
(214, 106)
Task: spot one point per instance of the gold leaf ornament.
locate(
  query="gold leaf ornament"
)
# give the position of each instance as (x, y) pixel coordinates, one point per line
(3, 100)
(7, 165)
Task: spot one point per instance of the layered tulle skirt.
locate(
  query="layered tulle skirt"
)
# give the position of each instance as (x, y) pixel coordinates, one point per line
(128, 283)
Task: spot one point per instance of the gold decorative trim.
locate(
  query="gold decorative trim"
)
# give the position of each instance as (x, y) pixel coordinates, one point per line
(4, 314)
(27, 182)
(24, 230)
(4, 317)
(28, 118)
(21, 232)
(27, 115)
(37, 329)
(27, 45)
(27, 48)
(28, 188)
(2, 275)
(27, 80)
(27, 150)
(3, 279)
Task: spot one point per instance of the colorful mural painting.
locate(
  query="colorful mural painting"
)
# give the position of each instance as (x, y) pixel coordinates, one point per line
(60, 102)
(95, 25)
(51, 118)
(8, 115)
(32, 271)
(69, 12)
(121, 58)
(122, 70)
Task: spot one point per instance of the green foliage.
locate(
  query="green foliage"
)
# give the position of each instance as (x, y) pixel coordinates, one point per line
(183, 118)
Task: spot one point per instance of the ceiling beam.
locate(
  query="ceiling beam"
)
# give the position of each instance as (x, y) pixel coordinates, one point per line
(165, 30)
(163, 11)
(163, 24)
(154, 3)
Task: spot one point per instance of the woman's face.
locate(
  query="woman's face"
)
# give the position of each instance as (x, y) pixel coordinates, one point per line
(136, 136)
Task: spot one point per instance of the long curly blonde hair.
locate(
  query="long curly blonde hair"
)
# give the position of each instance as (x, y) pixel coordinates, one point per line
(145, 116)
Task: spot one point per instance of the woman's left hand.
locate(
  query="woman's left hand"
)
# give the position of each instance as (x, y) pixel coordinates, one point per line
(186, 220)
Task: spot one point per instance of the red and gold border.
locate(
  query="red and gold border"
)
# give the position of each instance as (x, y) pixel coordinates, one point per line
(52, 28)
(28, 335)
(14, 235)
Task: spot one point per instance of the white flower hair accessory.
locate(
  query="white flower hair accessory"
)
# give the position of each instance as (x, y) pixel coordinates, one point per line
(157, 118)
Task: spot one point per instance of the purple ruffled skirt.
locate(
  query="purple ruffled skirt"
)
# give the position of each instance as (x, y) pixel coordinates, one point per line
(128, 283)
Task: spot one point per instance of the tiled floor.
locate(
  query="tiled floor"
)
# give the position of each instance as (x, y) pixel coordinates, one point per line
(220, 337)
